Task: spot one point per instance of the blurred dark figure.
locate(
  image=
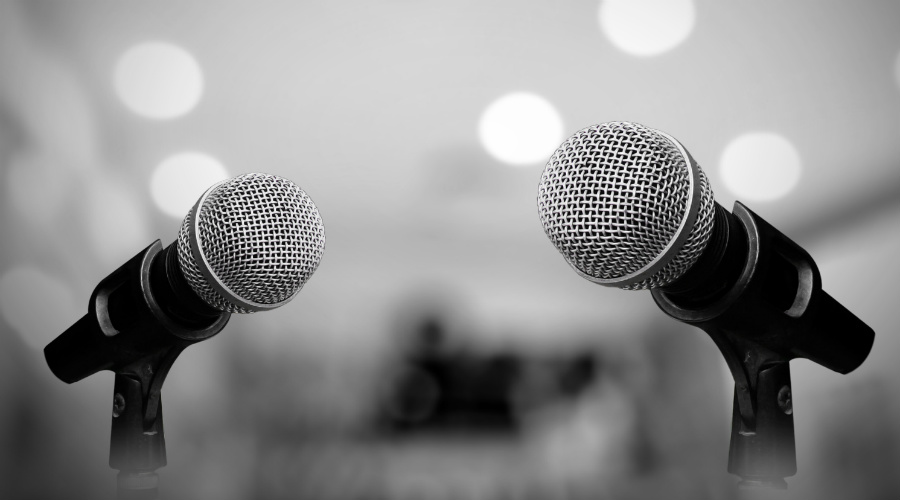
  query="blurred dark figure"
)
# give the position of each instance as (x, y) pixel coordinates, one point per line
(446, 385)
(437, 387)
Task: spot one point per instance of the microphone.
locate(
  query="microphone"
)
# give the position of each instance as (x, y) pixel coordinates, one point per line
(249, 244)
(627, 206)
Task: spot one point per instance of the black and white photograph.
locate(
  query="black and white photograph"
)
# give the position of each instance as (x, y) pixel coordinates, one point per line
(470, 250)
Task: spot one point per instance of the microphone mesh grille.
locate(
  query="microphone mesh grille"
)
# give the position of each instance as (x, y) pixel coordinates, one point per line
(262, 237)
(612, 197)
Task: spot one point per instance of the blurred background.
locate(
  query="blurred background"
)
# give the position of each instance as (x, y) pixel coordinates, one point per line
(443, 349)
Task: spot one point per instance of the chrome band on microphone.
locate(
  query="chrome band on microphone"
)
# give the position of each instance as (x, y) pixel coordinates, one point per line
(203, 264)
(676, 244)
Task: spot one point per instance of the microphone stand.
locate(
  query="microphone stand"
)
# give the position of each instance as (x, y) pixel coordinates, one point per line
(775, 311)
(139, 319)
(762, 450)
(138, 443)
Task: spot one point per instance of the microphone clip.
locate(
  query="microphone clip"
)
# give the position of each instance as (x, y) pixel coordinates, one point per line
(134, 328)
(772, 311)
(137, 446)
(137, 441)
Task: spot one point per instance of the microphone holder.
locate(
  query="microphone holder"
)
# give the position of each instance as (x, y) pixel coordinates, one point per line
(139, 319)
(138, 443)
(775, 311)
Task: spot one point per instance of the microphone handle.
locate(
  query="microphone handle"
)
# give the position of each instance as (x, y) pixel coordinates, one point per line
(835, 338)
(776, 301)
(130, 316)
(80, 351)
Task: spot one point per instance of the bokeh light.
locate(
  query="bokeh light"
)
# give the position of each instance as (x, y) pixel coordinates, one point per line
(760, 166)
(38, 306)
(158, 80)
(646, 27)
(180, 179)
(520, 128)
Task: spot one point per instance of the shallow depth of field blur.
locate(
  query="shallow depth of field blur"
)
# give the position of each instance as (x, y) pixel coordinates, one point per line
(443, 349)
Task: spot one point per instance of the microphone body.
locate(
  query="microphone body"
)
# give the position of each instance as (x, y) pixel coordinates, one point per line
(627, 206)
(763, 287)
(139, 319)
(249, 244)
(759, 296)
(141, 308)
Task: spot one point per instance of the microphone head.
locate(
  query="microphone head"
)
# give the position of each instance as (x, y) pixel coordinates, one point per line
(626, 205)
(250, 243)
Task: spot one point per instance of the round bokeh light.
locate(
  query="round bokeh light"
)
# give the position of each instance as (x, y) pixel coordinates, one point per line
(179, 181)
(158, 80)
(520, 129)
(760, 166)
(646, 27)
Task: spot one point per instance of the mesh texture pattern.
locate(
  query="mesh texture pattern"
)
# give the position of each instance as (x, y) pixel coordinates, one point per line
(612, 197)
(262, 237)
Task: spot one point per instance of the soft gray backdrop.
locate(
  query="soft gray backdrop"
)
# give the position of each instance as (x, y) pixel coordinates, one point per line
(373, 108)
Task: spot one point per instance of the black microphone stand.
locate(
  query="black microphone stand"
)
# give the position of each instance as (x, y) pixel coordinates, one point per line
(139, 319)
(775, 310)
(138, 444)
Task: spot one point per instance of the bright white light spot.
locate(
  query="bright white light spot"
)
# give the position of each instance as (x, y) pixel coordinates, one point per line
(760, 166)
(646, 27)
(158, 80)
(179, 181)
(116, 224)
(38, 306)
(520, 129)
